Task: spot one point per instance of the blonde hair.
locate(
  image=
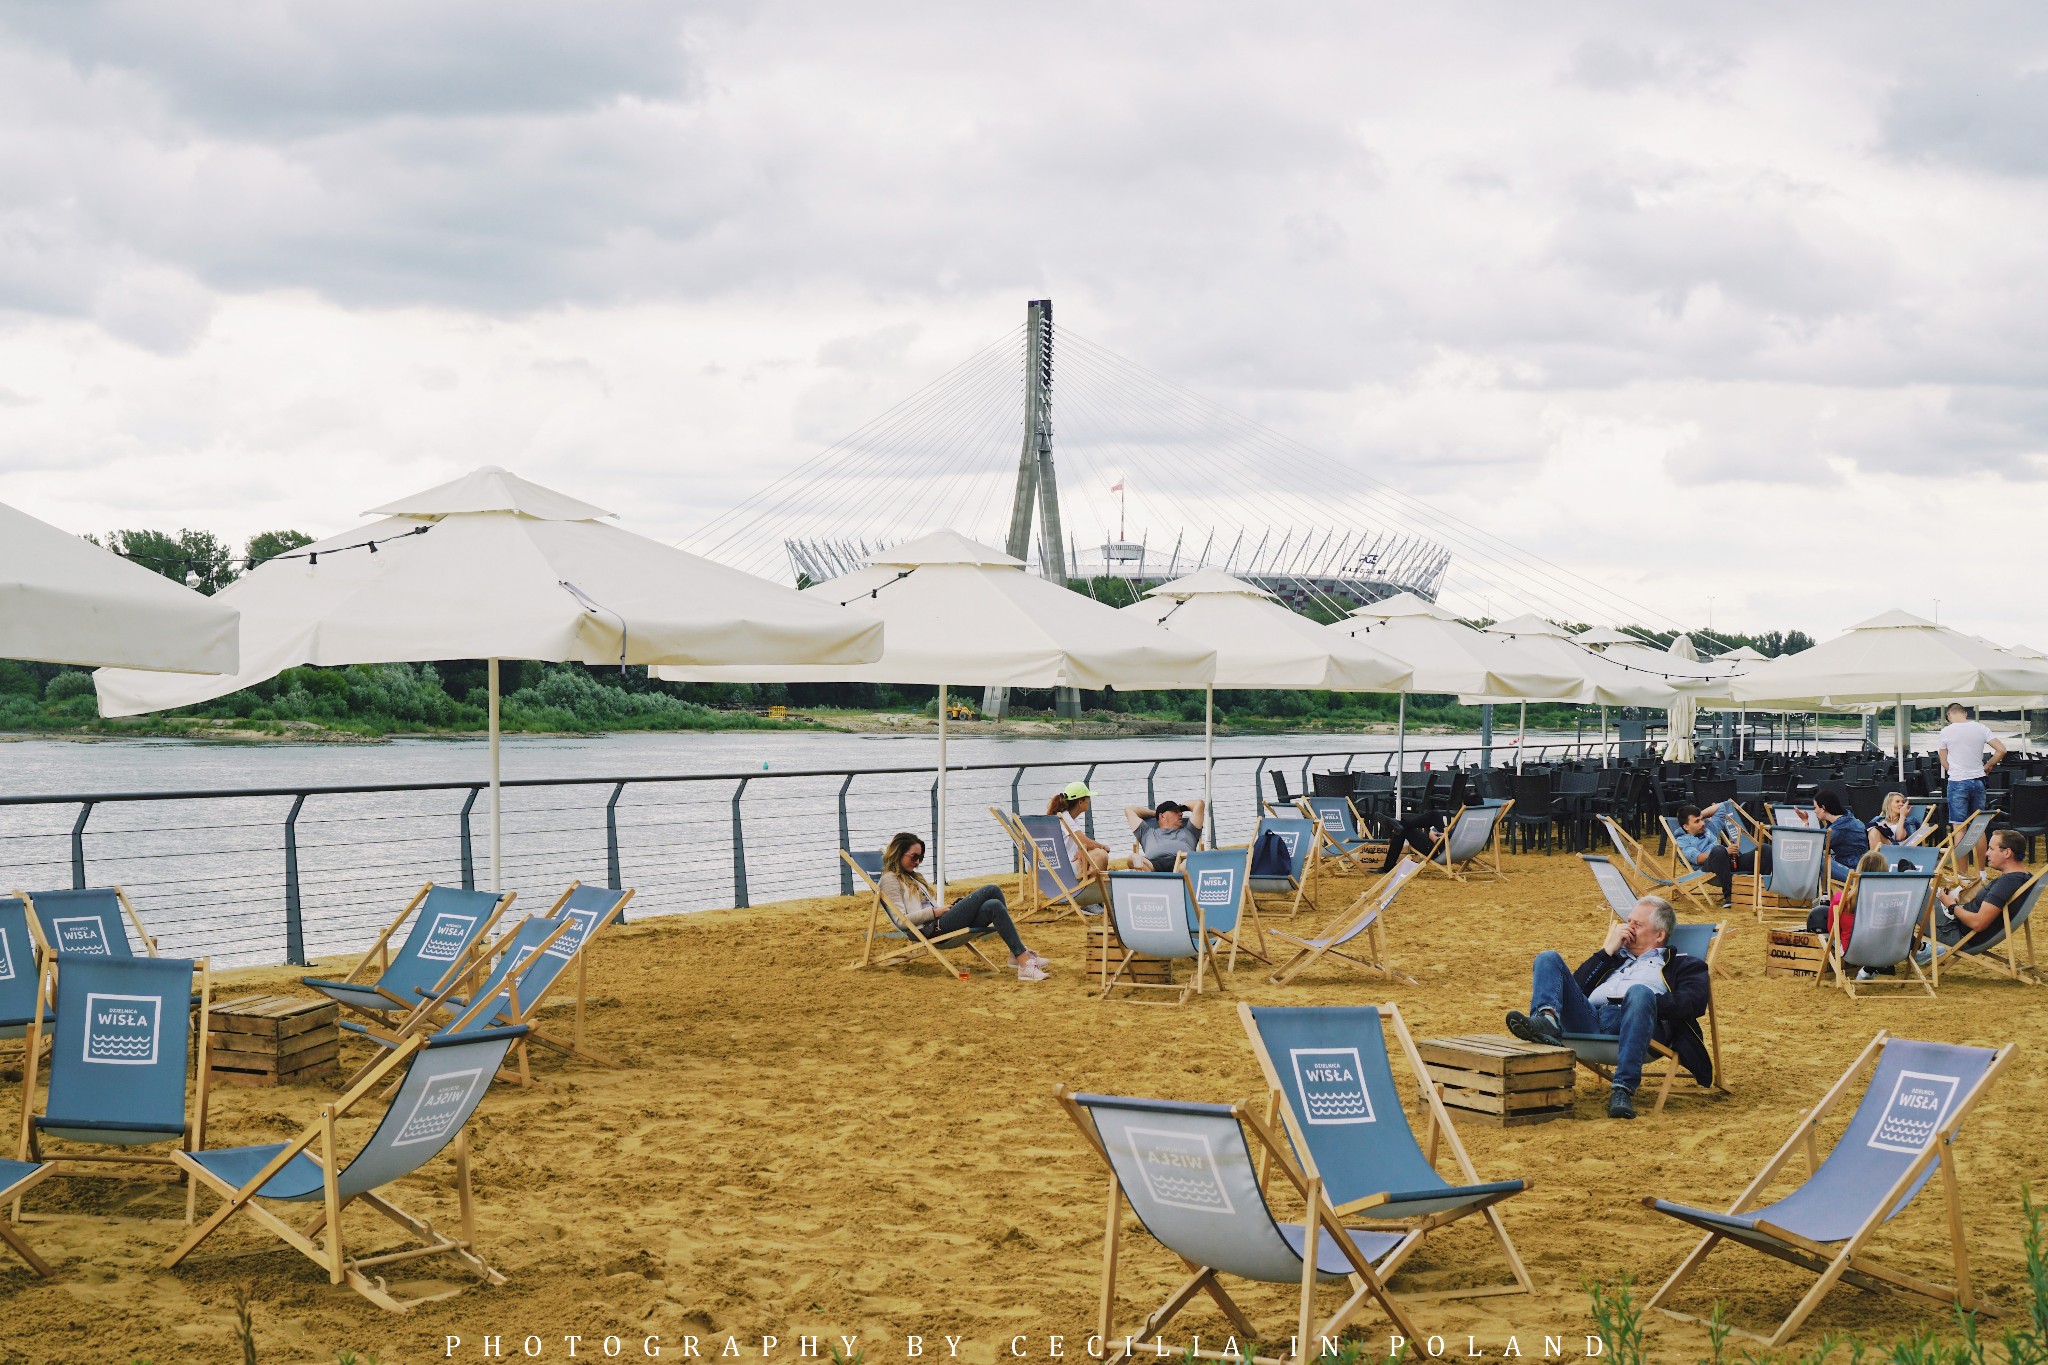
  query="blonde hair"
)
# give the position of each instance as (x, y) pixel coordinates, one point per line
(1904, 809)
(892, 861)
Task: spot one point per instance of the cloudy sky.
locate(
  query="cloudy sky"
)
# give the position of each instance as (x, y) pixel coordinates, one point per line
(1700, 303)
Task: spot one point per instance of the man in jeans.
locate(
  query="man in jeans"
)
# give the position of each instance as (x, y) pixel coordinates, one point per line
(1635, 987)
(1961, 746)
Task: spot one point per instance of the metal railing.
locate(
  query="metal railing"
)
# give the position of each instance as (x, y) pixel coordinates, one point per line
(269, 874)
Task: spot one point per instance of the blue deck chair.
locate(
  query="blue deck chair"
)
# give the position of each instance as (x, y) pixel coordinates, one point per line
(21, 974)
(1890, 906)
(1916, 857)
(1613, 884)
(1356, 937)
(1688, 876)
(1800, 872)
(1925, 824)
(1791, 814)
(94, 922)
(1055, 885)
(119, 1055)
(1473, 834)
(537, 974)
(448, 926)
(1918, 1096)
(1600, 1053)
(1221, 880)
(1329, 1068)
(445, 1079)
(1338, 837)
(1636, 869)
(890, 940)
(1154, 914)
(1967, 839)
(1192, 1176)
(16, 1179)
(1298, 834)
(1977, 947)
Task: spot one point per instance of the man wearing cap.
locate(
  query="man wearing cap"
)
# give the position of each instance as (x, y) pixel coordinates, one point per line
(1163, 835)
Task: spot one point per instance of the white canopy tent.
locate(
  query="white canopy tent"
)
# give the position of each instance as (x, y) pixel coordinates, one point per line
(64, 600)
(1260, 644)
(1601, 682)
(958, 611)
(493, 567)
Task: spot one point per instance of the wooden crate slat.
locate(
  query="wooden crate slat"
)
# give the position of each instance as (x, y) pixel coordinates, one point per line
(1562, 1078)
(274, 1066)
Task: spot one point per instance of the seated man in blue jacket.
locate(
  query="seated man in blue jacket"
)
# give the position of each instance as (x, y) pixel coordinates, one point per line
(1636, 987)
(1848, 837)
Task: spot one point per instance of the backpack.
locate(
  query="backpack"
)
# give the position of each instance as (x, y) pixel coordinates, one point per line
(1269, 856)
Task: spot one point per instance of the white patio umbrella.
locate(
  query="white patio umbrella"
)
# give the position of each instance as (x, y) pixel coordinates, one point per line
(493, 567)
(1896, 658)
(1601, 682)
(1449, 657)
(64, 600)
(1684, 710)
(1260, 644)
(958, 611)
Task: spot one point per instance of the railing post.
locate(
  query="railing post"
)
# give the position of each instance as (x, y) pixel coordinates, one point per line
(611, 838)
(1259, 790)
(1151, 790)
(845, 840)
(739, 847)
(1088, 816)
(78, 845)
(468, 851)
(294, 912)
(1016, 855)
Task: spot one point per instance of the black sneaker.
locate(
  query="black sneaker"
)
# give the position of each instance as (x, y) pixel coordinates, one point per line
(1620, 1104)
(1534, 1028)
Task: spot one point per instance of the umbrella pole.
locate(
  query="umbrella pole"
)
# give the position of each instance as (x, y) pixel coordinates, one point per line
(1400, 756)
(1741, 734)
(1603, 736)
(1209, 763)
(1901, 735)
(1521, 736)
(939, 834)
(491, 667)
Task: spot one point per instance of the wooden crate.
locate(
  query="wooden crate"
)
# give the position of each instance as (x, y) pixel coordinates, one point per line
(1793, 952)
(273, 1040)
(1106, 950)
(1501, 1080)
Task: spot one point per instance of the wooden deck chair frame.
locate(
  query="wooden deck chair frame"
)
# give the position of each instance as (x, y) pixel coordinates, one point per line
(380, 951)
(142, 935)
(1979, 823)
(1368, 1285)
(1762, 899)
(1660, 1053)
(1438, 1129)
(317, 1141)
(1374, 901)
(1037, 904)
(29, 1147)
(1844, 978)
(1849, 1262)
(2012, 968)
(1329, 848)
(1304, 885)
(916, 943)
(10, 1193)
(1491, 853)
(1689, 877)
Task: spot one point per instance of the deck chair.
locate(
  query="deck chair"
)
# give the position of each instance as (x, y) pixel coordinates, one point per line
(1299, 835)
(95, 922)
(1156, 914)
(1635, 865)
(1620, 896)
(898, 940)
(17, 1178)
(1967, 839)
(1600, 1053)
(1221, 878)
(1977, 947)
(1690, 877)
(1338, 837)
(445, 1079)
(1800, 872)
(1889, 907)
(1356, 937)
(21, 974)
(1332, 1083)
(1052, 882)
(447, 929)
(1791, 814)
(1902, 1131)
(1919, 857)
(119, 1055)
(1472, 834)
(1192, 1177)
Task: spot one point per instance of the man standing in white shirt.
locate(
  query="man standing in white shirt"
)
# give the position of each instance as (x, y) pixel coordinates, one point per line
(1961, 746)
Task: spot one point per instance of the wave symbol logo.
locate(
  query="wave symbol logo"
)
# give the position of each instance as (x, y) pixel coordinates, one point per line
(1179, 1169)
(122, 1030)
(448, 937)
(1332, 1085)
(444, 1101)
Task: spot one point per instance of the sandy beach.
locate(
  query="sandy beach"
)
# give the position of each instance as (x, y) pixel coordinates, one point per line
(796, 1149)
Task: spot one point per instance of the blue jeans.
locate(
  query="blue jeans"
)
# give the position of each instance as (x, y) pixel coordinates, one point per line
(1634, 1018)
(1840, 871)
(1965, 798)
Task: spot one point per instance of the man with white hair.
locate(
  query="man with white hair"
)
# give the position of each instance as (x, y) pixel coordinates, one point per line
(1635, 987)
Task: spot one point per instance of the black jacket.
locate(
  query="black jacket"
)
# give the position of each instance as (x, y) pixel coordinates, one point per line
(1678, 1009)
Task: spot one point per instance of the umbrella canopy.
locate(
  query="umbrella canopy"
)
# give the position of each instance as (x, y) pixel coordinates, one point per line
(1260, 643)
(1679, 716)
(1601, 681)
(1447, 656)
(492, 567)
(1891, 658)
(64, 600)
(1743, 654)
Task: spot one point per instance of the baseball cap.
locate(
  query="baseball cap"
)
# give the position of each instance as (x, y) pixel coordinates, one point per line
(1165, 806)
(1074, 791)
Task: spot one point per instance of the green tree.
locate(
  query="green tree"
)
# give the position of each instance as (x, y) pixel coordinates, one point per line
(200, 560)
(270, 544)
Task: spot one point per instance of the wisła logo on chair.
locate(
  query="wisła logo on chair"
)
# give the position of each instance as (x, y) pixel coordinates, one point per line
(1179, 1169)
(443, 1100)
(445, 940)
(579, 928)
(1332, 1085)
(1218, 887)
(1048, 850)
(83, 934)
(6, 957)
(1151, 911)
(1289, 837)
(121, 1030)
(1919, 1102)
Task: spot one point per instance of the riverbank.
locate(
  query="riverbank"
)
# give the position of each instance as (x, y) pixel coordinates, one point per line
(795, 1149)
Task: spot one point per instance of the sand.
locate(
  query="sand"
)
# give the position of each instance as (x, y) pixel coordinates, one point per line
(797, 1149)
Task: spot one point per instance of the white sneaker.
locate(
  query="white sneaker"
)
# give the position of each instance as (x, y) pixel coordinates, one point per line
(1863, 973)
(1030, 972)
(1037, 959)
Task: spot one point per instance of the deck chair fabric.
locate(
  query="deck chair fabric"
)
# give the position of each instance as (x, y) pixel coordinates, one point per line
(1329, 1068)
(1978, 946)
(1473, 833)
(1967, 839)
(886, 927)
(1056, 884)
(1298, 835)
(94, 922)
(1620, 896)
(1221, 880)
(535, 965)
(1687, 875)
(1364, 919)
(1338, 837)
(1155, 914)
(1600, 1053)
(1800, 871)
(1902, 1131)
(1890, 906)
(21, 976)
(1192, 1177)
(17, 1178)
(445, 1080)
(1916, 857)
(448, 924)
(119, 1055)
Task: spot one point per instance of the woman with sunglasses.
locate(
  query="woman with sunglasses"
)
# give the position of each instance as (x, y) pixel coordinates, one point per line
(916, 901)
